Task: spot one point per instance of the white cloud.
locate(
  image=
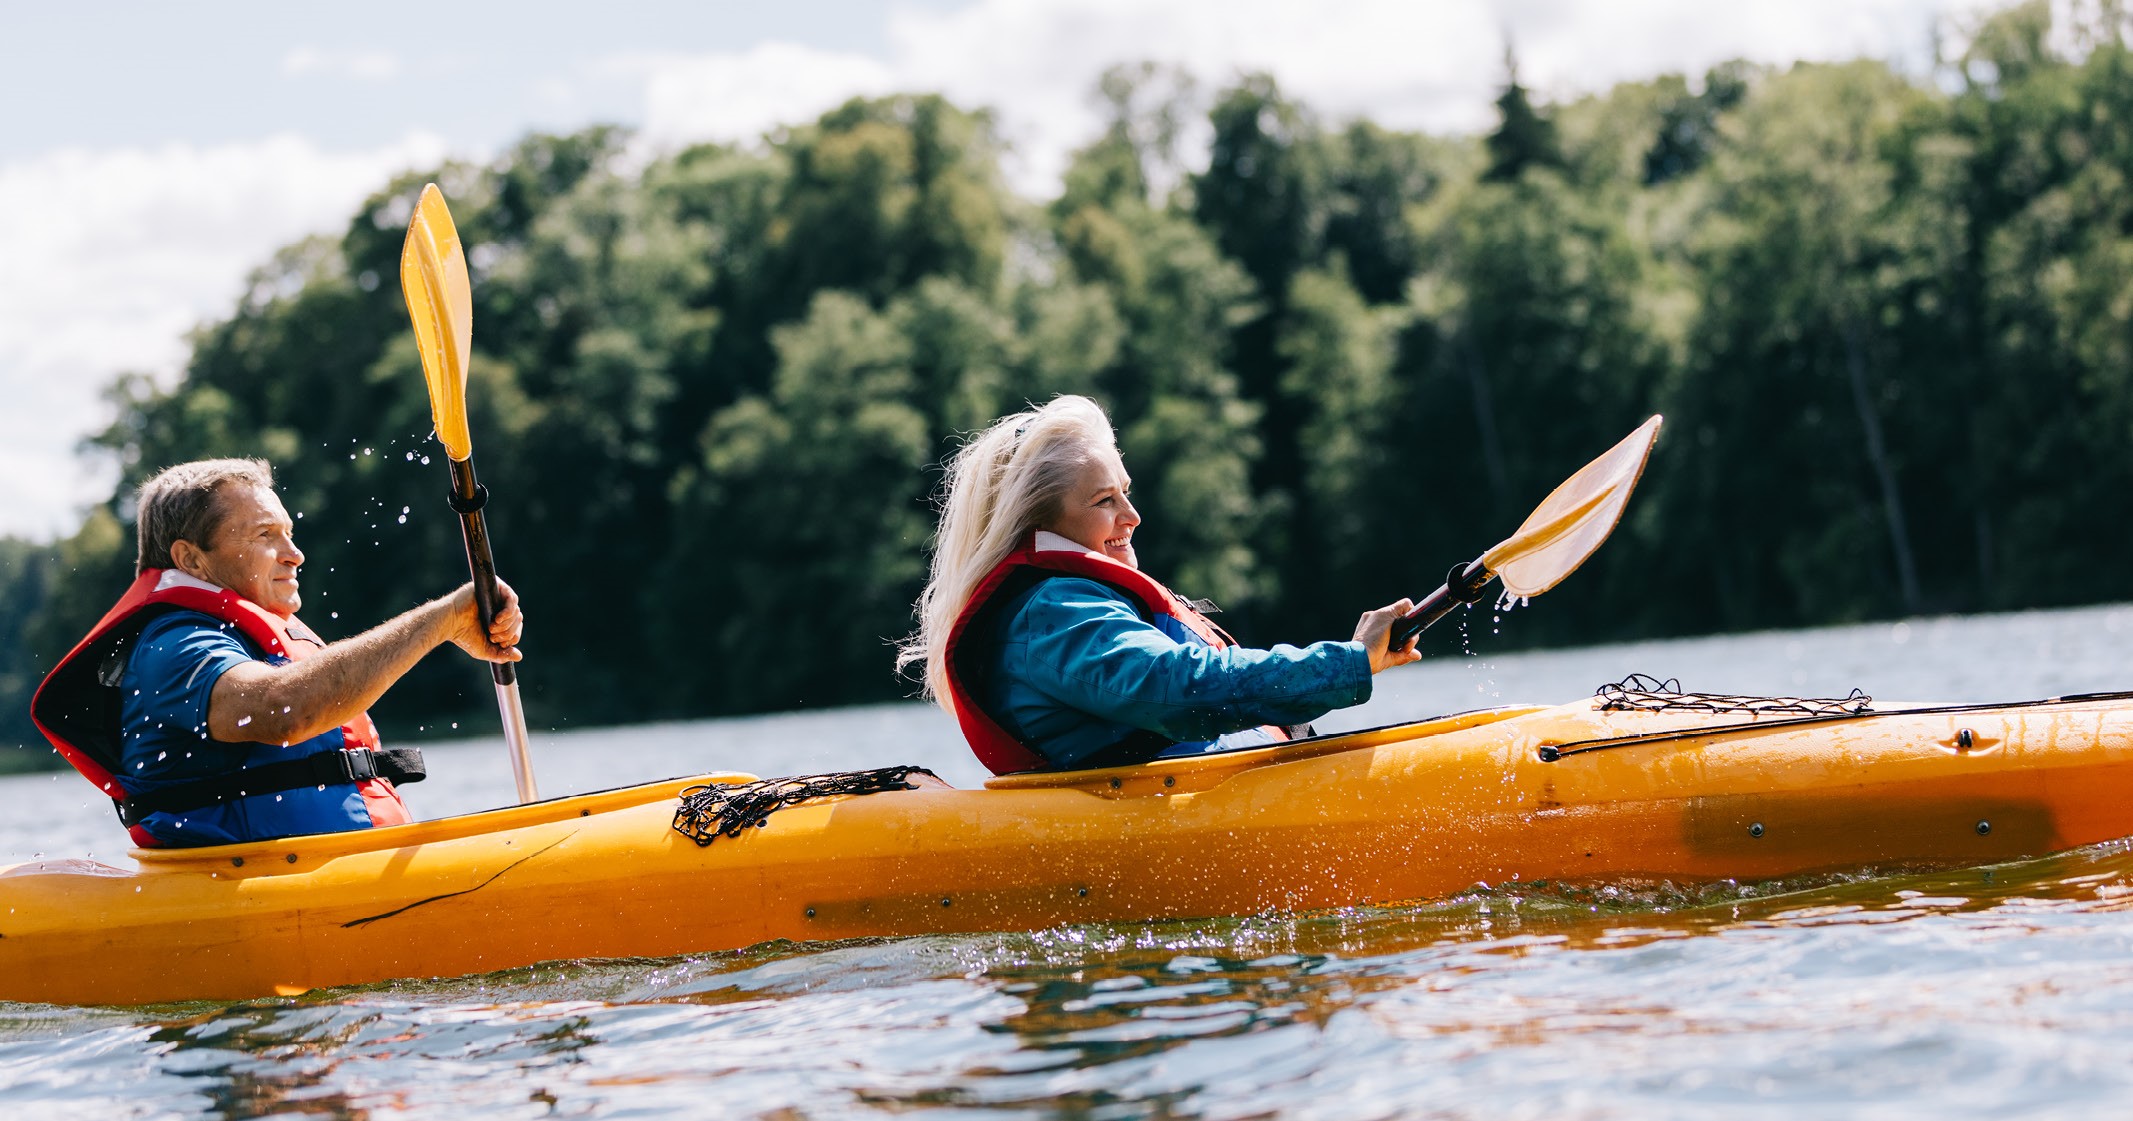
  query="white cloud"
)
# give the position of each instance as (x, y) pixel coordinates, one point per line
(1403, 63)
(113, 256)
(741, 96)
(369, 66)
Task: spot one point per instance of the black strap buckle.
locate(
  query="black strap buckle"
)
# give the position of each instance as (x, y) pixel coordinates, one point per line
(359, 766)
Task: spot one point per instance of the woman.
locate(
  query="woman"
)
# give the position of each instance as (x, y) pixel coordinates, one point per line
(1040, 633)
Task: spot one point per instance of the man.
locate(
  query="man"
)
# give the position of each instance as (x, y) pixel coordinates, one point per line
(206, 711)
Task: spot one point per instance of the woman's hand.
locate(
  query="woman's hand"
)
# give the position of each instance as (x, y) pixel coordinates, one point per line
(501, 642)
(1374, 631)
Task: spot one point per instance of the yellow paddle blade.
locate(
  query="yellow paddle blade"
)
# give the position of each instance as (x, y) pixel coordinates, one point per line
(1571, 523)
(440, 304)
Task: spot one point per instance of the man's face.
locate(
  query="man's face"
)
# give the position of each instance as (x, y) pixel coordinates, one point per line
(253, 552)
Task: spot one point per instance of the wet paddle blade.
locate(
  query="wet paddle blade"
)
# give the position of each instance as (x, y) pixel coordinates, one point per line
(440, 303)
(1571, 523)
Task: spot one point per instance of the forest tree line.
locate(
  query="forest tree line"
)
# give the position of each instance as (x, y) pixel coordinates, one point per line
(1889, 319)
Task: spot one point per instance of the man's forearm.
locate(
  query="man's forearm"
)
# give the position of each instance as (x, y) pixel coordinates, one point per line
(293, 702)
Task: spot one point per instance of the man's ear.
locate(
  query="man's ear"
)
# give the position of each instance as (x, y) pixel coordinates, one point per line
(190, 559)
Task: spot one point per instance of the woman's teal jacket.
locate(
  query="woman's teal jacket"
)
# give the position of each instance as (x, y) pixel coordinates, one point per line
(1079, 669)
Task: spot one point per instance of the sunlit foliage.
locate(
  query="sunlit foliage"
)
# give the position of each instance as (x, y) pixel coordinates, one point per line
(1890, 320)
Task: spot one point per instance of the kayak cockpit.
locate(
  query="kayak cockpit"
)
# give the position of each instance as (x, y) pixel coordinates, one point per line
(326, 846)
(1194, 773)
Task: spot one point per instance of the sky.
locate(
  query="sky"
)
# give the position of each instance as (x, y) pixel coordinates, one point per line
(153, 154)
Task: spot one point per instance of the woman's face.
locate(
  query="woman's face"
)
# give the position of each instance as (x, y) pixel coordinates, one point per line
(1097, 514)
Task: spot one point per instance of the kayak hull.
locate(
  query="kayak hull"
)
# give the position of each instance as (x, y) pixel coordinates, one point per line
(1390, 815)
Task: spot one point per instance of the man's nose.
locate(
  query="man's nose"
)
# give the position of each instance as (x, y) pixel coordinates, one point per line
(292, 556)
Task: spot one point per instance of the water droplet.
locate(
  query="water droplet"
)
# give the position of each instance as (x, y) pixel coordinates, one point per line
(333, 615)
(403, 519)
(425, 461)
(243, 720)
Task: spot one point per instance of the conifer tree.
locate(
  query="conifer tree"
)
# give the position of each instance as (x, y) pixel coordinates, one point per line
(1523, 137)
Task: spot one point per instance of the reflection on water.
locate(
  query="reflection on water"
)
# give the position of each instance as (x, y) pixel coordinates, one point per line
(1969, 993)
(1979, 992)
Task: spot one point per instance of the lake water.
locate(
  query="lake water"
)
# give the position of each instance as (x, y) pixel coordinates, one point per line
(1989, 992)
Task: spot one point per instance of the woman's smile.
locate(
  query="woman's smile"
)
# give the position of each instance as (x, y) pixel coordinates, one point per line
(1097, 514)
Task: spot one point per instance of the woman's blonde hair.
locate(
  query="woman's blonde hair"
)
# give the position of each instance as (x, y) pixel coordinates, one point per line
(1007, 481)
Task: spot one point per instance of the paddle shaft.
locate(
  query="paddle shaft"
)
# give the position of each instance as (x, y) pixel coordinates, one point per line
(1461, 586)
(467, 498)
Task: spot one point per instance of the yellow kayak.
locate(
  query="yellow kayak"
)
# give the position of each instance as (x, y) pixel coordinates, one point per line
(1574, 793)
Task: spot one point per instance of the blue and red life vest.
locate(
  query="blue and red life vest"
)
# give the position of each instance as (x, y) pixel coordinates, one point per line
(77, 705)
(1000, 751)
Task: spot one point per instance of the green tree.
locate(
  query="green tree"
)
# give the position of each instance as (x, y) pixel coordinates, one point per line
(26, 572)
(1186, 428)
(1813, 264)
(802, 529)
(1524, 137)
(1888, 321)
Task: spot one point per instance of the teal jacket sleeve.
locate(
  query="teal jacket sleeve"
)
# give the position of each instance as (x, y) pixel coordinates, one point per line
(1090, 650)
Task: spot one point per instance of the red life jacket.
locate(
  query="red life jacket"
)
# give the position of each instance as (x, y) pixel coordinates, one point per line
(79, 713)
(1001, 752)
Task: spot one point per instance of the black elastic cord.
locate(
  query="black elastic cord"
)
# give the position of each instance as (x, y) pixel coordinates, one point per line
(464, 506)
(1462, 589)
(1550, 753)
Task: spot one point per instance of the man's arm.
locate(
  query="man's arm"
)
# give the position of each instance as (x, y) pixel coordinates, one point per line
(260, 703)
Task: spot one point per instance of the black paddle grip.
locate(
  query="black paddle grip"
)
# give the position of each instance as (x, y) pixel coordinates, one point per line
(1462, 585)
(467, 497)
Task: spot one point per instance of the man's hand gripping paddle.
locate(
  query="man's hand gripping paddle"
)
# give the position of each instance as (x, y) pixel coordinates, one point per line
(1555, 539)
(433, 277)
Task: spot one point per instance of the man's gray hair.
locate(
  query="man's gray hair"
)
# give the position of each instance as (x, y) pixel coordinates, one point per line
(183, 503)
